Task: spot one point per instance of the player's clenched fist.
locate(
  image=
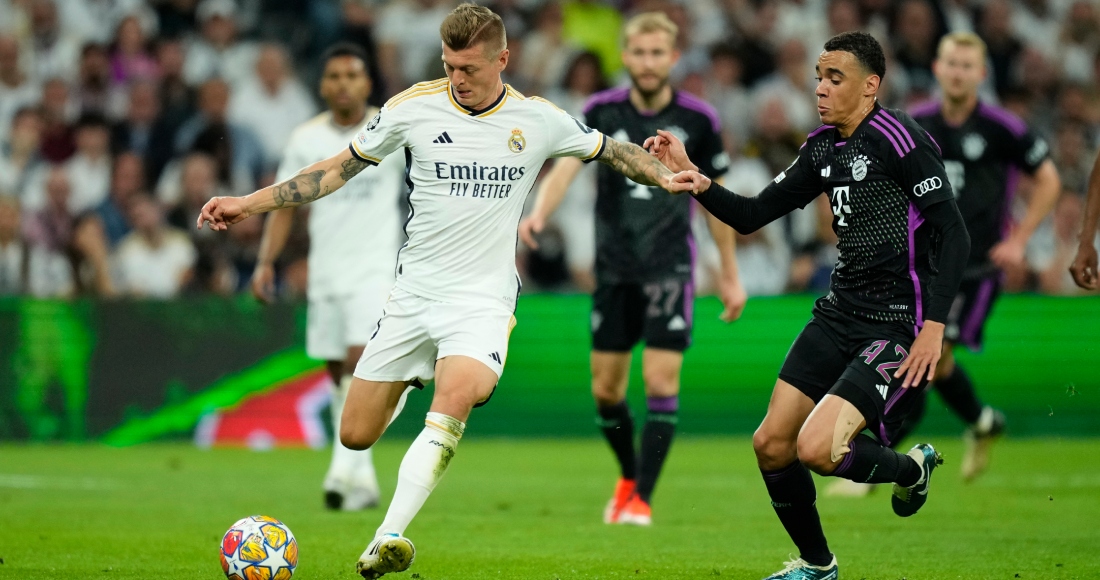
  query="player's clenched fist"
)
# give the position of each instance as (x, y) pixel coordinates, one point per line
(670, 151)
(691, 181)
(222, 212)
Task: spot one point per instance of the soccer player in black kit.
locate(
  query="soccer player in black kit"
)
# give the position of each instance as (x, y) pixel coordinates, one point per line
(644, 259)
(875, 339)
(984, 148)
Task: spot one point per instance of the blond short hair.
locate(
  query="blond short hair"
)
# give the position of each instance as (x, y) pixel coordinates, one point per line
(648, 22)
(469, 25)
(962, 39)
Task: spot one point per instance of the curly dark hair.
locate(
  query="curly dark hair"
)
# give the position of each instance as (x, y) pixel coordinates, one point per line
(864, 47)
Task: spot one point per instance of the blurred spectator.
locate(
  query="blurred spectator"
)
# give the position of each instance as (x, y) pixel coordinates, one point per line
(130, 57)
(176, 17)
(1073, 157)
(94, 91)
(127, 182)
(1054, 244)
(724, 89)
(763, 261)
(52, 226)
(90, 167)
(583, 77)
(1080, 38)
(16, 89)
(97, 20)
(358, 28)
(154, 260)
(917, 34)
(27, 269)
(548, 55)
(408, 41)
(272, 104)
(138, 132)
(20, 163)
(57, 113)
(1038, 24)
(774, 141)
(52, 49)
(197, 185)
(236, 149)
(791, 85)
(1004, 48)
(218, 53)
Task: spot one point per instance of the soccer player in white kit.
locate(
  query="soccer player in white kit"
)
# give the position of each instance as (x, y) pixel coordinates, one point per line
(354, 238)
(473, 147)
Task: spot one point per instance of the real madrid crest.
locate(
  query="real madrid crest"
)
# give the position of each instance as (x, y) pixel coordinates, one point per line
(516, 142)
(859, 168)
(973, 146)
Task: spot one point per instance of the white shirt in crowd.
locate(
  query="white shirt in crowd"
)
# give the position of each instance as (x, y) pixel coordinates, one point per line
(354, 233)
(154, 272)
(271, 117)
(471, 174)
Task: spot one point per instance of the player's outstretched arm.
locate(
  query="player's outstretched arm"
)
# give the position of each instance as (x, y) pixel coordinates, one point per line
(550, 195)
(637, 164)
(310, 184)
(1084, 267)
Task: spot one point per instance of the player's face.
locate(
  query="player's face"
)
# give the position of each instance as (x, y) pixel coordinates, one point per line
(842, 87)
(649, 58)
(959, 70)
(344, 83)
(474, 74)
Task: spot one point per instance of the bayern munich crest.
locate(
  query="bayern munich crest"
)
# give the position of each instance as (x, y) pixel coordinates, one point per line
(859, 168)
(516, 143)
(973, 146)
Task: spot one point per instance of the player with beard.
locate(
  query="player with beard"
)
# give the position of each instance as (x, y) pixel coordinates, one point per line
(984, 149)
(875, 339)
(645, 256)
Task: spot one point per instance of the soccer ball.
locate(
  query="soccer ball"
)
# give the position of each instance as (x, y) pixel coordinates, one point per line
(259, 548)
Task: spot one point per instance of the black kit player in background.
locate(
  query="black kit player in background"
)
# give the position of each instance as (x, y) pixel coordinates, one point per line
(875, 339)
(644, 259)
(984, 148)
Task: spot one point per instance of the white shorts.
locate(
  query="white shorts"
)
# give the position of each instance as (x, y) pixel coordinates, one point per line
(334, 323)
(415, 332)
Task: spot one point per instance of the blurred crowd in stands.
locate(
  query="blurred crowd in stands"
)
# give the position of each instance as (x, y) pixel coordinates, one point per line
(120, 118)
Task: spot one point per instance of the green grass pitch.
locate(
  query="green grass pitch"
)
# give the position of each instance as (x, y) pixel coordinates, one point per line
(530, 509)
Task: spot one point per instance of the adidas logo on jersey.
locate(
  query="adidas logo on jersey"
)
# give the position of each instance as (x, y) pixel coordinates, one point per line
(882, 390)
(496, 356)
(677, 323)
(444, 138)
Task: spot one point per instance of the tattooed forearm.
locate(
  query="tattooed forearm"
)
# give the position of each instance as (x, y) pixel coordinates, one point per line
(351, 168)
(300, 189)
(634, 162)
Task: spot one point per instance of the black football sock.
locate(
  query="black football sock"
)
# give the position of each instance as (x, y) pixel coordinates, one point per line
(660, 426)
(794, 498)
(912, 419)
(618, 429)
(958, 392)
(868, 461)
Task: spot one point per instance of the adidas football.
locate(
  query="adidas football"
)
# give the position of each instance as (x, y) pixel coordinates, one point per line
(259, 547)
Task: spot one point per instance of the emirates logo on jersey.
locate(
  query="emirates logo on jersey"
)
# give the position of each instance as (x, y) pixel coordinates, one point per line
(516, 143)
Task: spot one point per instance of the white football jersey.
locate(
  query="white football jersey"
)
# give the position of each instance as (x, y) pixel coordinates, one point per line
(354, 232)
(471, 173)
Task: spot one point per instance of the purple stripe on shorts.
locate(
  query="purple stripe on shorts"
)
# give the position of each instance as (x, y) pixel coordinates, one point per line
(883, 123)
(694, 103)
(608, 96)
(898, 394)
(894, 142)
(978, 311)
(915, 221)
(897, 123)
(1003, 117)
(817, 131)
(663, 404)
(882, 434)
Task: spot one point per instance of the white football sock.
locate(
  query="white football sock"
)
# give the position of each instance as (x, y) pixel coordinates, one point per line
(423, 467)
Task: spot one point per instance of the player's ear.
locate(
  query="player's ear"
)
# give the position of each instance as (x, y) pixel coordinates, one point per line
(871, 84)
(502, 60)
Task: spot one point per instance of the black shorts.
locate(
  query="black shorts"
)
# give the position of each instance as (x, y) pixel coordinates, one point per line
(855, 359)
(657, 312)
(970, 310)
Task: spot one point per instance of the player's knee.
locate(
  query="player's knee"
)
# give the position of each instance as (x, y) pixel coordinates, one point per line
(661, 383)
(771, 449)
(356, 437)
(815, 453)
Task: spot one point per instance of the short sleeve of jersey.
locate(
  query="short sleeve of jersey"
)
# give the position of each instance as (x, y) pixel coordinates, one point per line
(800, 183)
(1028, 151)
(570, 137)
(711, 156)
(385, 133)
(920, 172)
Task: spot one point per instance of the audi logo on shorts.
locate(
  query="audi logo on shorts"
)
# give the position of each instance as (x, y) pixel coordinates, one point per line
(930, 184)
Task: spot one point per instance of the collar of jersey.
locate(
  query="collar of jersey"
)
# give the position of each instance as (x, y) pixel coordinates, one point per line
(866, 120)
(497, 104)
